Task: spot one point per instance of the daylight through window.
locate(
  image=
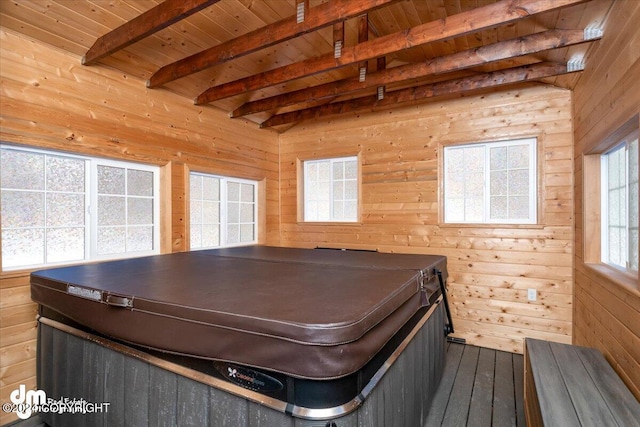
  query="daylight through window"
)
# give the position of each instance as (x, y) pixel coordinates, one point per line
(491, 182)
(59, 208)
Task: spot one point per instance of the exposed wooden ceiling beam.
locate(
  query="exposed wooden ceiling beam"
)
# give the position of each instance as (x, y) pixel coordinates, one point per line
(315, 18)
(449, 87)
(151, 21)
(471, 21)
(520, 46)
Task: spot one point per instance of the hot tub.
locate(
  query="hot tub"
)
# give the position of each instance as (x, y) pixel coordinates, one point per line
(307, 332)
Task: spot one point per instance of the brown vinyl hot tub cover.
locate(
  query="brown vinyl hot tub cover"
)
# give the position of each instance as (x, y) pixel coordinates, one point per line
(309, 313)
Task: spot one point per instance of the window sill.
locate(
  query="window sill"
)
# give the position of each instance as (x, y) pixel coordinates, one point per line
(489, 225)
(624, 279)
(329, 223)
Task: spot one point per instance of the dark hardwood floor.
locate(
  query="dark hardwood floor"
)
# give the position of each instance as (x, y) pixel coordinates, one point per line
(479, 387)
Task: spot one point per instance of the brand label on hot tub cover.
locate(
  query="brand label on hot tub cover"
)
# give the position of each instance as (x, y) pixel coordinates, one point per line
(91, 294)
(248, 378)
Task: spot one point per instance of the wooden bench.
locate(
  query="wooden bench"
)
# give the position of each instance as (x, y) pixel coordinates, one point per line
(567, 385)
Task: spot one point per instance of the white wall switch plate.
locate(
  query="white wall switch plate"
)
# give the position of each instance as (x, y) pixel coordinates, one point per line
(532, 294)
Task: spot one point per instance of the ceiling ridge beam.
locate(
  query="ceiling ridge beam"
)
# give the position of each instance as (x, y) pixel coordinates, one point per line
(449, 87)
(318, 17)
(490, 16)
(520, 46)
(153, 20)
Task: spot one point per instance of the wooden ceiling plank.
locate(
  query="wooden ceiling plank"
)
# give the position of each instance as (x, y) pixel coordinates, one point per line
(454, 62)
(500, 13)
(318, 17)
(449, 87)
(151, 21)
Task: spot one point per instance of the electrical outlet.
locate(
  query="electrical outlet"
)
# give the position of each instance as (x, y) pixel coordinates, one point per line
(532, 294)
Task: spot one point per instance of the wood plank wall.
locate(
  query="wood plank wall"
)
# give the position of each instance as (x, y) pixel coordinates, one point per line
(490, 267)
(607, 308)
(49, 100)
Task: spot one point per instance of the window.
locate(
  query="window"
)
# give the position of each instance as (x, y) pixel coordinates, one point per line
(331, 190)
(58, 208)
(620, 205)
(223, 211)
(491, 182)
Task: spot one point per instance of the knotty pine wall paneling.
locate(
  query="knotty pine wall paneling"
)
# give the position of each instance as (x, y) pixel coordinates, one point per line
(490, 267)
(49, 100)
(606, 304)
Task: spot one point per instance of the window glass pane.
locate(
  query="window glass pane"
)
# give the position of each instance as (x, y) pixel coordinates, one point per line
(519, 183)
(233, 233)
(324, 171)
(195, 187)
(454, 210)
(338, 210)
(195, 238)
(65, 174)
(210, 235)
(196, 212)
(518, 156)
(21, 170)
(499, 209)
(22, 209)
(112, 210)
(246, 212)
(499, 185)
(210, 212)
(112, 240)
(338, 170)
(65, 210)
(474, 209)
(111, 180)
(233, 191)
(498, 159)
(246, 233)
(351, 169)
(233, 212)
(22, 247)
(139, 211)
(211, 189)
(338, 190)
(351, 190)
(139, 239)
(474, 159)
(247, 192)
(65, 244)
(518, 207)
(139, 183)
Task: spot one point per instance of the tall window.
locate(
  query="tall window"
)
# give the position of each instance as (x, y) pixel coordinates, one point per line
(620, 204)
(59, 208)
(491, 182)
(331, 190)
(223, 211)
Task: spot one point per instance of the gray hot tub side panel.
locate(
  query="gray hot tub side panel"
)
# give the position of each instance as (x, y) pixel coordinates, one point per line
(140, 393)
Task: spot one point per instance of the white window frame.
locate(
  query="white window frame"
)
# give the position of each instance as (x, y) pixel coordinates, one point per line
(486, 209)
(224, 181)
(91, 214)
(604, 229)
(331, 161)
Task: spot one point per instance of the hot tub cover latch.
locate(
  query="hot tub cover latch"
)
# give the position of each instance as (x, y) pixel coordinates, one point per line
(119, 301)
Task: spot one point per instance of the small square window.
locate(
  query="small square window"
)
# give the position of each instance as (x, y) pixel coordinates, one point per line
(491, 183)
(331, 190)
(223, 211)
